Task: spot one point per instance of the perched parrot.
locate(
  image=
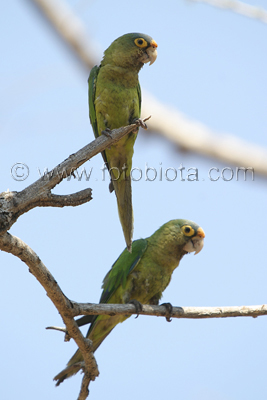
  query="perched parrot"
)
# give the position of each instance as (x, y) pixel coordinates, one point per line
(140, 276)
(115, 101)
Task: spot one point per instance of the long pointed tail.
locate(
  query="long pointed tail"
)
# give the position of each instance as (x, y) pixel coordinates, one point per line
(123, 190)
(74, 365)
(76, 362)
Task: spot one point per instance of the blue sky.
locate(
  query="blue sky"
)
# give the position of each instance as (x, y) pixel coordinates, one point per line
(212, 67)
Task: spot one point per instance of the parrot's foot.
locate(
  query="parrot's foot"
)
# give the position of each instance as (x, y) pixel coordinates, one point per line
(138, 306)
(140, 122)
(169, 309)
(107, 133)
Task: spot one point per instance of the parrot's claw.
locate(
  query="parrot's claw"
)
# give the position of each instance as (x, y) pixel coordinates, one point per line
(169, 309)
(138, 306)
(107, 133)
(140, 122)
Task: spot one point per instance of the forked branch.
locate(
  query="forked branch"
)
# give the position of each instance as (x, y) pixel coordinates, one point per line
(12, 244)
(38, 194)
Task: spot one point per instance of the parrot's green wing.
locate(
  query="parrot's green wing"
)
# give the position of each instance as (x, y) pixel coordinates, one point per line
(91, 100)
(121, 269)
(139, 98)
(117, 276)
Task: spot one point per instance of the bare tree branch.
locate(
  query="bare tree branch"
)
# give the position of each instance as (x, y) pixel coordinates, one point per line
(194, 136)
(168, 122)
(84, 392)
(239, 7)
(38, 194)
(160, 311)
(75, 199)
(70, 28)
(12, 244)
(177, 312)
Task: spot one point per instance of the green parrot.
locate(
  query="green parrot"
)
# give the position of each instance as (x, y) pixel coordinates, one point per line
(115, 101)
(140, 277)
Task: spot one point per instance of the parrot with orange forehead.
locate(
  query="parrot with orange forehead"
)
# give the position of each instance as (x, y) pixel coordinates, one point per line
(139, 277)
(115, 101)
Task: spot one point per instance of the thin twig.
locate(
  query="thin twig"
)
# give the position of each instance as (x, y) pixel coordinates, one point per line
(57, 328)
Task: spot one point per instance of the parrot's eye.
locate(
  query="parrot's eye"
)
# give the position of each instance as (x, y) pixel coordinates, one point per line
(140, 42)
(188, 230)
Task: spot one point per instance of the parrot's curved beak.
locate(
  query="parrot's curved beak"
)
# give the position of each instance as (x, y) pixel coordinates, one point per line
(196, 243)
(150, 54)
